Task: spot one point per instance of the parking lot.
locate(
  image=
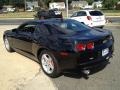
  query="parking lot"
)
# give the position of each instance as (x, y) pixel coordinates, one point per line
(20, 73)
(104, 79)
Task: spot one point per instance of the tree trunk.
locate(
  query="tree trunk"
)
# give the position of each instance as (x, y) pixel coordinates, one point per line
(41, 3)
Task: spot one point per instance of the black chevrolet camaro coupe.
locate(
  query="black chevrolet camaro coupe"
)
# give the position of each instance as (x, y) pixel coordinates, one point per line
(59, 44)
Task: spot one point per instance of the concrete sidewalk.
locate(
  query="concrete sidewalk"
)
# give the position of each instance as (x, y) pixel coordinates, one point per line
(20, 73)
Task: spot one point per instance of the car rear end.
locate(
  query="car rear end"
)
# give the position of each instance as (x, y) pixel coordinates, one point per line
(87, 53)
(84, 47)
(102, 51)
(97, 18)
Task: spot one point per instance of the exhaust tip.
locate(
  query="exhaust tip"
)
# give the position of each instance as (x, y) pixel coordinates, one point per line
(87, 72)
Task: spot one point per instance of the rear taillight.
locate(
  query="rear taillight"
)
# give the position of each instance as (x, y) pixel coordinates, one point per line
(80, 47)
(89, 18)
(90, 45)
(83, 47)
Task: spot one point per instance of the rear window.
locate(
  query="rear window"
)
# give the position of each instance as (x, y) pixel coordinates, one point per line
(96, 13)
(69, 26)
(81, 13)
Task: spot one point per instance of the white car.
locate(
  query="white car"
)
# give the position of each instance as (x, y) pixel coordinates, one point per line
(92, 18)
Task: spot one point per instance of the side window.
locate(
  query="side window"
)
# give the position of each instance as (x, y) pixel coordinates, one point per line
(42, 29)
(81, 13)
(74, 15)
(28, 28)
(52, 29)
(74, 26)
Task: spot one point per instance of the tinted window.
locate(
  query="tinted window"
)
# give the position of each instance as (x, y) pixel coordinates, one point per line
(81, 13)
(73, 25)
(53, 29)
(42, 29)
(70, 26)
(27, 28)
(95, 13)
(74, 15)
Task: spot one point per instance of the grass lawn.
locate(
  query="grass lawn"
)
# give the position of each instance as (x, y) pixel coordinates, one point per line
(111, 12)
(18, 15)
(31, 14)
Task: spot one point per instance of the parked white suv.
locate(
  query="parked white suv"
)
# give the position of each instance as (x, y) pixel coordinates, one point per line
(92, 18)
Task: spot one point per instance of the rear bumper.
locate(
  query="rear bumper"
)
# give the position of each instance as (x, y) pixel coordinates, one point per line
(96, 24)
(96, 63)
(83, 60)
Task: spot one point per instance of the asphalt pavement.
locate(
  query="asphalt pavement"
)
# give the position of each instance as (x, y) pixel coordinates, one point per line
(114, 19)
(104, 78)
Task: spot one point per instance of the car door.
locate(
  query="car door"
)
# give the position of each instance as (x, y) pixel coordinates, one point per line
(41, 35)
(24, 37)
(46, 36)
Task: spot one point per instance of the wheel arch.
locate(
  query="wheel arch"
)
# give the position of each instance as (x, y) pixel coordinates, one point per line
(4, 36)
(39, 51)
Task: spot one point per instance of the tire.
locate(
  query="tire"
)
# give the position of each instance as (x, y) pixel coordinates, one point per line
(49, 64)
(7, 45)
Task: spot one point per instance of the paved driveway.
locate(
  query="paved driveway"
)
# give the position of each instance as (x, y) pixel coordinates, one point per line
(101, 79)
(20, 73)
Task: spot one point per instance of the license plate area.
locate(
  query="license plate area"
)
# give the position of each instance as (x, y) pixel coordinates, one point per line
(105, 51)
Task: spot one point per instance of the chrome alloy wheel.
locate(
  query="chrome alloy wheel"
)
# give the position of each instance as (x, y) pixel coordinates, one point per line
(47, 63)
(7, 46)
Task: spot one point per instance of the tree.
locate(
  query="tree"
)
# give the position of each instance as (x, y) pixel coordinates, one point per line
(44, 3)
(90, 2)
(109, 4)
(47, 2)
(41, 3)
(1, 3)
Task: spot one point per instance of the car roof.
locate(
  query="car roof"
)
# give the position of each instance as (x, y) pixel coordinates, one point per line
(88, 10)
